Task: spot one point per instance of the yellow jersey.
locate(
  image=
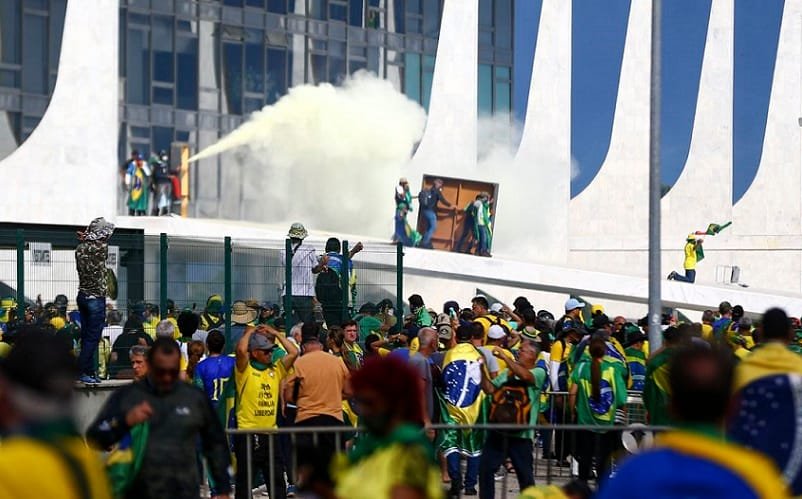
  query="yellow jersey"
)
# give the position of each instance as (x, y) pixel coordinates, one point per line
(258, 395)
(690, 256)
(30, 468)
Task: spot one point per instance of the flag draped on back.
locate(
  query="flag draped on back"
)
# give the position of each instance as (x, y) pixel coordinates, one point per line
(125, 459)
(767, 420)
(656, 390)
(462, 399)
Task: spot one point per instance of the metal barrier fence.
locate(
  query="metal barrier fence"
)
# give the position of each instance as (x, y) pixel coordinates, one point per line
(38, 265)
(546, 468)
(556, 439)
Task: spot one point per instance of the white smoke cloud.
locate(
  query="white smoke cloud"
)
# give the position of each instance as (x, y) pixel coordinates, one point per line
(327, 156)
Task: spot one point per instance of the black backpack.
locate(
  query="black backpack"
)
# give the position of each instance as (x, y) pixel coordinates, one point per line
(511, 403)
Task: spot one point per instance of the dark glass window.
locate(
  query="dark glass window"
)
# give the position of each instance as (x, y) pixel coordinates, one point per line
(317, 9)
(485, 89)
(338, 12)
(503, 24)
(255, 3)
(277, 6)
(162, 138)
(34, 54)
(276, 74)
(163, 95)
(486, 13)
(254, 68)
(414, 6)
(232, 76)
(398, 15)
(318, 68)
(356, 13)
(233, 3)
(187, 72)
(431, 18)
(137, 74)
(412, 64)
(57, 11)
(162, 44)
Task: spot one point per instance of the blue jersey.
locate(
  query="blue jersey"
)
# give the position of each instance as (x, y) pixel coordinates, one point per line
(336, 262)
(211, 375)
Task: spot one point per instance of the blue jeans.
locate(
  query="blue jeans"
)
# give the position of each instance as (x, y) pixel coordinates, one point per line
(93, 320)
(454, 472)
(484, 240)
(431, 225)
(690, 276)
(497, 448)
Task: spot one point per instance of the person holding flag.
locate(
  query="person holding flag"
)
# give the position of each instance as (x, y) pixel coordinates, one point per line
(656, 389)
(461, 402)
(137, 181)
(693, 255)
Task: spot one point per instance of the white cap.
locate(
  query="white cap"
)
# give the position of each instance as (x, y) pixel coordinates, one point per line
(496, 332)
(496, 307)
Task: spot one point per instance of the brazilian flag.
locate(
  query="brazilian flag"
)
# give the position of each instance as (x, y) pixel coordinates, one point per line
(462, 400)
(125, 460)
(656, 390)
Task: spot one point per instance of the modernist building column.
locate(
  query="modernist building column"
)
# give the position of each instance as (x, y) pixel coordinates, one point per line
(67, 169)
(448, 145)
(544, 154)
(614, 208)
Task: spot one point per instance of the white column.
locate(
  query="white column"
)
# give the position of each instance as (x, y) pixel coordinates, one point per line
(771, 206)
(448, 145)
(66, 171)
(703, 192)
(615, 204)
(544, 154)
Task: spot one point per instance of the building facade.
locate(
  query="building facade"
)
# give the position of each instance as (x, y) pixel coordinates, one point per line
(192, 70)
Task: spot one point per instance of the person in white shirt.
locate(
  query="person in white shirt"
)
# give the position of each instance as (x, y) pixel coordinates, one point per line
(304, 265)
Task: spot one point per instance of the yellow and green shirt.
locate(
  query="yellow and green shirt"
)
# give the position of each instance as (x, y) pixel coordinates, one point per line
(258, 395)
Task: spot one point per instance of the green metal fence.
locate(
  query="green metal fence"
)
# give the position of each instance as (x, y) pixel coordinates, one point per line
(38, 265)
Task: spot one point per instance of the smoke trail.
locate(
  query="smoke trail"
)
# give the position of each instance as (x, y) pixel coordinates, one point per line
(324, 155)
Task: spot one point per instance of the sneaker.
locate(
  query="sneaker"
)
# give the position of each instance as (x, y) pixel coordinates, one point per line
(453, 492)
(88, 380)
(471, 492)
(97, 380)
(292, 491)
(672, 275)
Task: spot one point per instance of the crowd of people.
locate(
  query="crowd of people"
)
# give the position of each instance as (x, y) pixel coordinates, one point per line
(431, 403)
(475, 235)
(150, 186)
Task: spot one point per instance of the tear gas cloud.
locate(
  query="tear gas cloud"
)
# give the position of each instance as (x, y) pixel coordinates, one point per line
(328, 156)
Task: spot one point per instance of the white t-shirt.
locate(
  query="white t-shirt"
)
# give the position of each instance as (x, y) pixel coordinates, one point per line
(480, 207)
(303, 261)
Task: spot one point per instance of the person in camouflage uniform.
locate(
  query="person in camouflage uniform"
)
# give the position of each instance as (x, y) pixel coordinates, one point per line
(90, 260)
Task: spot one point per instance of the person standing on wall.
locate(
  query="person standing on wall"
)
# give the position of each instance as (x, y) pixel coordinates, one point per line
(429, 199)
(693, 254)
(90, 261)
(304, 263)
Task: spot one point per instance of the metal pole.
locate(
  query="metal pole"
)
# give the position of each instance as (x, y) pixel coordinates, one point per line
(20, 274)
(288, 320)
(249, 465)
(345, 278)
(227, 292)
(163, 274)
(399, 284)
(655, 277)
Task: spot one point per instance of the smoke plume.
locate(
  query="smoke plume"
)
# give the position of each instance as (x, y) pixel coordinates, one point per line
(328, 156)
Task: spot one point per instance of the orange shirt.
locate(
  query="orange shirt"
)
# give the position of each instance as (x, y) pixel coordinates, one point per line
(323, 378)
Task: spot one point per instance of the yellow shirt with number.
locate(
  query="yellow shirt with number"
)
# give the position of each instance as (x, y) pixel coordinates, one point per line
(258, 396)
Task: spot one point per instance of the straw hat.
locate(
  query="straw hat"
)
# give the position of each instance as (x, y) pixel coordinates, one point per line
(242, 313)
